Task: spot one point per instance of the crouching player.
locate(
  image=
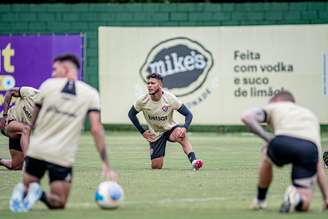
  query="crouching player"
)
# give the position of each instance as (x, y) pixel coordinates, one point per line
(62, 105)
(15, 124)
(158, 107)
(296, 141)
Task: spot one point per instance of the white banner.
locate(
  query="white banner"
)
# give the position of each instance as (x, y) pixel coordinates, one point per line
(218, 72)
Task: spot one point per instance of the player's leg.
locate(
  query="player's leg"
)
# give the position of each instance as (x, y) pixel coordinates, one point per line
(58, 195)
(157, 152)
(264, 181)
(60, 185)
(16, 162)
(34, 171)
(157, 163)
(17, 156)
(186, 146)
(20, 130)
(271, 154)
(299, 195)
(298, 198)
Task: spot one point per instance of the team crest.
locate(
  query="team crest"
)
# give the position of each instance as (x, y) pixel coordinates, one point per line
(165, 108)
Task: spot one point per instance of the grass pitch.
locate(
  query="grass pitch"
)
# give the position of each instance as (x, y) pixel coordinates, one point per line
(223, 189)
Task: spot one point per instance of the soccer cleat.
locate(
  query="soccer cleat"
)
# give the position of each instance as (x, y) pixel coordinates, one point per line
(259, 204)
(33, 195)
(16, 199)
(197, 164)
(325, 158)
(291, 199)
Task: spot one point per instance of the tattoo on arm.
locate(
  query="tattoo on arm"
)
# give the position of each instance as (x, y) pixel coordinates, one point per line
(252, 120)
(103, 155)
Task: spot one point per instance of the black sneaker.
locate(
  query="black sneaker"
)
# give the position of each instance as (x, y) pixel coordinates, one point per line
(325, 158)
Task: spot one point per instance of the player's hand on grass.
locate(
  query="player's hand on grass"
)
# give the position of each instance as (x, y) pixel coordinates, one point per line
(110, 175)
(149, 136)
(325, 205)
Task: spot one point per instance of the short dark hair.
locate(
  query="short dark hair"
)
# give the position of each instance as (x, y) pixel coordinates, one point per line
(68, 58)
(284, 95)
(156, 76)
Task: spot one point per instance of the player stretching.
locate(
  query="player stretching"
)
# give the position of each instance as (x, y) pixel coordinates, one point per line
(15, 124)
(62, 105)
(158, 106)
(296, 141)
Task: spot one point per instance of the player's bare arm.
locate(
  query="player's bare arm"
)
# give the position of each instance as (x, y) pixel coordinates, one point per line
(253, 119)
(14, 92)
(99, 138)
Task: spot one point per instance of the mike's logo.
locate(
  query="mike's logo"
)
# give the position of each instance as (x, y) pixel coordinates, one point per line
(183, 63)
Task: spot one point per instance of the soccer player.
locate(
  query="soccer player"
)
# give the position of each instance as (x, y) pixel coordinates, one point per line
(158, 107)
(15, 124)
(58, 117)
(296, 141)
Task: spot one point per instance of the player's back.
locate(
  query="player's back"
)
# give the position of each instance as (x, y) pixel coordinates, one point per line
(287, 118)
(64, 105)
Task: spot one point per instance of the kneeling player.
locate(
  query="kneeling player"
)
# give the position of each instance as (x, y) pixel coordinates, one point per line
(296, 141)
(15, 124)
(60, 109)
(158, 107)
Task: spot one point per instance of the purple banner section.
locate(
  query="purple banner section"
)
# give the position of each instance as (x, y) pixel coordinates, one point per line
(27, 60)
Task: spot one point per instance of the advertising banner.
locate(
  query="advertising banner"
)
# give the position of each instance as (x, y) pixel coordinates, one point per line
(27, 60)
(218, 72)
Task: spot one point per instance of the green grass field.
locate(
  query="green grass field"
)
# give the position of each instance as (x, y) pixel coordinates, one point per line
(223, 189)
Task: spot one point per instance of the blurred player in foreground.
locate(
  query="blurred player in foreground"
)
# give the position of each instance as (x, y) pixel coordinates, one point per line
(158, 107)
(58, 117)
(296, 141)
(15, 124)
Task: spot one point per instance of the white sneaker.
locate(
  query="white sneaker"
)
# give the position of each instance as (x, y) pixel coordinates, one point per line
(291, 199)
(16, 199)
(259, 204)
(33, 195)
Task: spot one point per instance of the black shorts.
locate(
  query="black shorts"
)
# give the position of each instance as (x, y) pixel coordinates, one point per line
(302, 154)
(14, 143)
(157, 148)
(56, 172)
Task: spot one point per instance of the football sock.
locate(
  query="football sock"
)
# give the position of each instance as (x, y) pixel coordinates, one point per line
(261, 193)
(191, 157)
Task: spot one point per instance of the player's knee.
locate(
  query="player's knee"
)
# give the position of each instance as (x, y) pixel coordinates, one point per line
(180, 139)
(157, 165)
(16, 166)
(58, 205)
(304, 207)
